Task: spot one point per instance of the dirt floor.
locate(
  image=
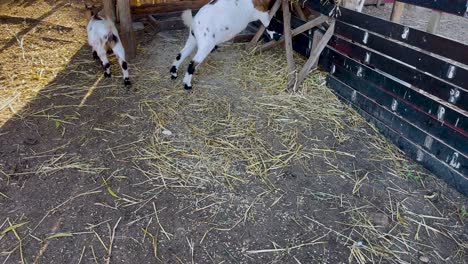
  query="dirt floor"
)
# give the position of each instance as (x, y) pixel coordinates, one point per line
(237, 171)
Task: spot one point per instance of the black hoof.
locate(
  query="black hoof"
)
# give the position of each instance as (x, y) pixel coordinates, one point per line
(107, 75)
(127, 82)
(173, 77)
(186, 87)
(215, 48)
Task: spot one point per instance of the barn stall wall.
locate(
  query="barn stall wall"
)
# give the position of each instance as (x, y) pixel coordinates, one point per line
(410, 84)
(159, 6)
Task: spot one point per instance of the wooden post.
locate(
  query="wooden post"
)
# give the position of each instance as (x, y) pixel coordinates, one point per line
(109, 9)
(434, 22)
(397, 11)
(315, 42)
(314, 55)
(299, 12)
(288, 44)
(126, 30)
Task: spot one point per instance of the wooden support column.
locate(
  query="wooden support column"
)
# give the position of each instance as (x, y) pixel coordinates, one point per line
(315, 42)
(434, 22)
(126, 30)
(288, 45)
(397, 11)
(314, 55)
(109, 9)
(299, 12)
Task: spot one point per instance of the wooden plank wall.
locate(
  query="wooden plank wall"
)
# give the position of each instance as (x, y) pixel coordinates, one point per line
(455, 7)
(390, 73)
(141, 7)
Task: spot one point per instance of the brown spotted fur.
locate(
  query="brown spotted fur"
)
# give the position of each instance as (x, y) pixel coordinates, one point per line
(262, 5)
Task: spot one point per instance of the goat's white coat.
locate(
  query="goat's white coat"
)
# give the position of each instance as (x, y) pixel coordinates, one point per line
(214, 24)
(100, 38)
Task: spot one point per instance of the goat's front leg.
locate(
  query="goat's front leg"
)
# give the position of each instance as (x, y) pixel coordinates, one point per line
(264, 17)
(95, 56)
(190, 45)
(201, 54)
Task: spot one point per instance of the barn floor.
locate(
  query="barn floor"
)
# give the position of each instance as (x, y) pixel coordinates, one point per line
(237, 171)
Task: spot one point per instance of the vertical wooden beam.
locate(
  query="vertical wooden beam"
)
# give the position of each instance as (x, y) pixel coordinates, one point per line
(288, 44)
(397, 11)
(315, 42)
(314, 55)
(299, 12)
(434, 22)
(109, 9)
(126, 30)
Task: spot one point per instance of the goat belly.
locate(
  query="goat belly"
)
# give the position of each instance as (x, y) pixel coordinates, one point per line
(221, 23)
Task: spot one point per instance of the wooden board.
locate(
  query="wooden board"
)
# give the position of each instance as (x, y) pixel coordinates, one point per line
(432, 43)
(421, 60)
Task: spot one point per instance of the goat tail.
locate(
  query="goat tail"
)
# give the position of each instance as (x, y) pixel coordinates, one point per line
(187, 18)
(112, 39)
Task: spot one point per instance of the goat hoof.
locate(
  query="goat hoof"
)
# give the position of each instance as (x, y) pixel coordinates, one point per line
(186, 87)
(107, 75)
(127, 82)
(173, 77)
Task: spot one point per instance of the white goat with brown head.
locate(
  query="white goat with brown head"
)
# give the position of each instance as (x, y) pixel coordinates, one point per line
(103, 37)
(215, 23)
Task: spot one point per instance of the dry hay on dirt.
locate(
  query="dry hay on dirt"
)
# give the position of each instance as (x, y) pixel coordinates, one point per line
(238, 171)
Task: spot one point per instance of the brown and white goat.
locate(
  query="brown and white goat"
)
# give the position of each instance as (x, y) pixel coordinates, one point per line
(215, 23)
(103, 37)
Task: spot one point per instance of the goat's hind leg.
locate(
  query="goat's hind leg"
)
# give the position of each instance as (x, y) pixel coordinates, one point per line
(101, 52)
(190, 45)
(120, 54)
(202, 53)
